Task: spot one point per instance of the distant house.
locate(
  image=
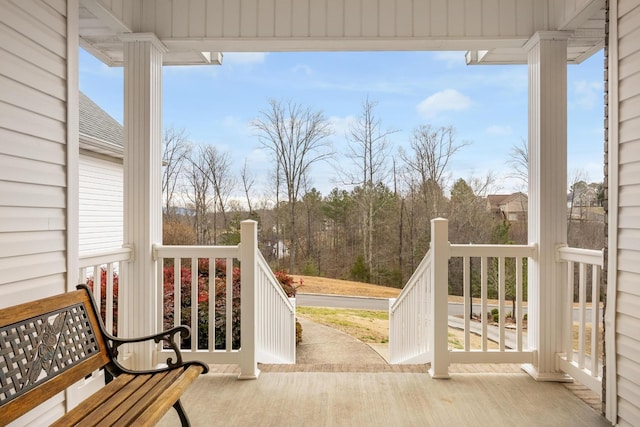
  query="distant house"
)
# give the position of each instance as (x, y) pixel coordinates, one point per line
(512, 207)
(100, 179)
(583, 195)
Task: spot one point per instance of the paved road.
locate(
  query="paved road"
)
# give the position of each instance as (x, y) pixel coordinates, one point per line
(367, 303)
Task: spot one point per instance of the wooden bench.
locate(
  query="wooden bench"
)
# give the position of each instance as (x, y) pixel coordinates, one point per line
(50, 344)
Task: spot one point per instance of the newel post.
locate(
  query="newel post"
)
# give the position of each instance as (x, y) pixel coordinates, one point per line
(439, 282)
(248, 275)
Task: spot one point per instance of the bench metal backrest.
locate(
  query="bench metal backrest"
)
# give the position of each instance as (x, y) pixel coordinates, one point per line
(46, 346)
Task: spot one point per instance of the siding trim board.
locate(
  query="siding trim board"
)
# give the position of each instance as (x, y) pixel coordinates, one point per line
(73, 145)
(623, 302)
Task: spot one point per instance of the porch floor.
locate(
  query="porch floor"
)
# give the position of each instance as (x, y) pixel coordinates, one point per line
(353, 387)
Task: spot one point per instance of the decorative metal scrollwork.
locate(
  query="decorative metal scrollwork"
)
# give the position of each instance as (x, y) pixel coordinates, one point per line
(42, 347)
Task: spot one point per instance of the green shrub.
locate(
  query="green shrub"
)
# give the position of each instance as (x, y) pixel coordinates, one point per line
(298, 332)
(495, 313)
(219, 282)
(360, 272)
(310, 268)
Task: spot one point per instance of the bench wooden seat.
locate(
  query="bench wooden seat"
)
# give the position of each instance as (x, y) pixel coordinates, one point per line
(50, 344)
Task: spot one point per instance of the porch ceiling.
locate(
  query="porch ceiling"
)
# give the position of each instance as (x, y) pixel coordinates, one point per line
(587, 28)
(194, 32)
(99, 30)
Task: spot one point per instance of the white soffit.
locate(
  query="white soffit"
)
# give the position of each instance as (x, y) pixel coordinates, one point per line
(99, 31)
(587, 37)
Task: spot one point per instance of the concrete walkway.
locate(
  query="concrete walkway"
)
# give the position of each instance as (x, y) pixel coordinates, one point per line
(325, 345)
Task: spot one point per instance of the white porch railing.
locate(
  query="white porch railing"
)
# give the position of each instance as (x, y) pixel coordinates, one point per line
(410, 318)
(419, 317)
(102, 269)
(204, 275)
(502, 266)
(209, 276)
(583, 361)
(276, 318)
(229, 325)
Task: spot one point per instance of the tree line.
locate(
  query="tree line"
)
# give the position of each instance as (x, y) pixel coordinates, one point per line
(373, 226)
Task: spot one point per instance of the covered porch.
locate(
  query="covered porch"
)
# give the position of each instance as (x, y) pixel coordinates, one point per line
(546, 37)
(345, 382)
(143, 36)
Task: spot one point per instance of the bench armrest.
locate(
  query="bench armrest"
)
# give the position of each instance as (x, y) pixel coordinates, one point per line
(168, 336)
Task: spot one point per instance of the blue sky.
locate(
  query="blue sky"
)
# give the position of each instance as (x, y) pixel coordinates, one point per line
(487, 105)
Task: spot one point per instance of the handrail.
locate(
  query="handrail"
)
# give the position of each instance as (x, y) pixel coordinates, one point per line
(413, 281)
(264, 266)
(105, 257)
(587, 256)
(494, 251)
(170, 251)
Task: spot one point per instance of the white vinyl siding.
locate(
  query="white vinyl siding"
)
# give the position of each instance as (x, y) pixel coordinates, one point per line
(628, 270)
(101, 198)
(33, 134)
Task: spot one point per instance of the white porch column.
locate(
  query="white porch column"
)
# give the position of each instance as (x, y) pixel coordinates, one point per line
(547, 59)
(142, 188)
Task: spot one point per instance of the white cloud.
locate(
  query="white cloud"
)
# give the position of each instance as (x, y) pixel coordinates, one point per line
(302, 69)
(446, 100)
(341, 125)
(497, 130)
(244, 57)
(450, 58)
(587, 93)
(257, 156)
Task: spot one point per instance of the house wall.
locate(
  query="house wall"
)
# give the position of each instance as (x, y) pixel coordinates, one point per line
(33, 152)
(101, 198)
(625, 57)
(517, 209)
(38, 59)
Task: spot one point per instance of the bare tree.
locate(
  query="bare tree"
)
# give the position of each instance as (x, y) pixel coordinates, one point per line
(176, 150)
(368, 149)
(519, 160)
(432, 149)
(198, 193)
(220, 176)
(298, 138)
(248, 181)
(577, 184)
